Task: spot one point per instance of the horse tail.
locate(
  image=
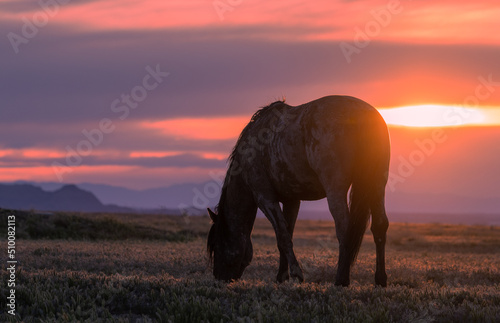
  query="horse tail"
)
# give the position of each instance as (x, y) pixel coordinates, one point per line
(359, 214)
(370, 174)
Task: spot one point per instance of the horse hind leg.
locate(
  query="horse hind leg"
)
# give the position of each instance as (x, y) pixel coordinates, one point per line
(290, 212)
(379, 227)
(337, 204)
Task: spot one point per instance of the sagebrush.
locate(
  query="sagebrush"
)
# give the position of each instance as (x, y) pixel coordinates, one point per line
(439, 273)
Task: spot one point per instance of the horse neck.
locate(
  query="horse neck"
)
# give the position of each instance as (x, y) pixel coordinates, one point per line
(238, 205)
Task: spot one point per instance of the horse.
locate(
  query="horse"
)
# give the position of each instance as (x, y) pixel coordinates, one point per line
(336, 147)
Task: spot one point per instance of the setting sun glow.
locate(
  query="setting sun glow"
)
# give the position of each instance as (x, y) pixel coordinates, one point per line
(437, 116)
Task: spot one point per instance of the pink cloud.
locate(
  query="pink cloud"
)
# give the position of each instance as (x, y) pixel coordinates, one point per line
(200, 128)
(441, 21)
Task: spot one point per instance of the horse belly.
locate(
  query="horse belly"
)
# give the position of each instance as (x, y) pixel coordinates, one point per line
(310, 191)
(293, 178)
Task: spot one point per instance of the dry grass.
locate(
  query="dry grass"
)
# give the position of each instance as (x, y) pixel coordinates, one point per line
(436, 273)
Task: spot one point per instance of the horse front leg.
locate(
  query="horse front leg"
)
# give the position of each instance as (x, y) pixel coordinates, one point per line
(273, 212)
(290, 212)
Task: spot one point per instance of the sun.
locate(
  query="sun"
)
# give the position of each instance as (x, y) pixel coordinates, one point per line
(433, 115)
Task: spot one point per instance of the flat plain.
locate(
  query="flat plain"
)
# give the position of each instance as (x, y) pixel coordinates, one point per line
(154, 268)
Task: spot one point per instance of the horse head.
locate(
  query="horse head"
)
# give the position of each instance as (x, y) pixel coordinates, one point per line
(229, 251)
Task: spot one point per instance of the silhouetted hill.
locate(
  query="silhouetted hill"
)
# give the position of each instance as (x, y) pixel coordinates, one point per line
(176, 197)
(66, 198)
(194, 198)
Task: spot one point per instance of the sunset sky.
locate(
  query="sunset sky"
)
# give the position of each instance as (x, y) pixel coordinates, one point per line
(150, 93)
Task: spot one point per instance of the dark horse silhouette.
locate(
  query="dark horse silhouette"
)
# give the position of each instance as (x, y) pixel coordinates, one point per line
(287, 154)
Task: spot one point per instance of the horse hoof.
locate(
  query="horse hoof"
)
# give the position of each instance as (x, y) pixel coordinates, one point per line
(297, 274)
(381, 280)
(281, 278)
(343, 283)
(298, 277)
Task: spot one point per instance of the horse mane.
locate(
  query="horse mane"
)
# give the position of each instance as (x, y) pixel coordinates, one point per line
(260, 114)
(219, 209)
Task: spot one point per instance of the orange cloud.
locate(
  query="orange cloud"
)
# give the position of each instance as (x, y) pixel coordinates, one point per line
(160, 154)
(439, 21)
(42, 153)
(32, 153)
(128, 176)
(153, 154)
(46, 153)
(125, 15)
(6, 152)
(212, 155)
(200, 128)
(46, 173)
(41, 173)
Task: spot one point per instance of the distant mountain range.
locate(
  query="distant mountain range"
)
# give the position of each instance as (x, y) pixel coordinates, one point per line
(171, 197)
(67, 198)
(194, 198)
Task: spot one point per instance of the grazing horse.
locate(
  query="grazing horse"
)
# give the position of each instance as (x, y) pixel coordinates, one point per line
(287, 154)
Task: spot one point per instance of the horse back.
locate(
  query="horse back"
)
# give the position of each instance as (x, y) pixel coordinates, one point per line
(301, 150)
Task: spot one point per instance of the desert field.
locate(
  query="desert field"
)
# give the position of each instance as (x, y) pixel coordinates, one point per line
(154, 268)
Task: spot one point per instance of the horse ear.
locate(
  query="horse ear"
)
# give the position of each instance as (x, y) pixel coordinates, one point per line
(213, 216)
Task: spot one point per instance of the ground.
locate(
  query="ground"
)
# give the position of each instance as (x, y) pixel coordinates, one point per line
(154, 268)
